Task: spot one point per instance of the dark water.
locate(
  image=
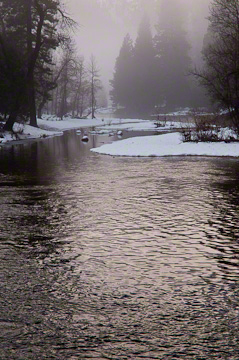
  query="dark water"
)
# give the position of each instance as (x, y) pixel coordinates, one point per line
(117, 258)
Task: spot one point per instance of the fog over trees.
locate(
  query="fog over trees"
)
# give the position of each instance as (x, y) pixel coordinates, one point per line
(111, 21)
(40, 66)
(134, 76)
(141, 50)
(162, 56)
(173, 47)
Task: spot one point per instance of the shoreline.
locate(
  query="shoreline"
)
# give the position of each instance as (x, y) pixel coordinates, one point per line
(165, 143)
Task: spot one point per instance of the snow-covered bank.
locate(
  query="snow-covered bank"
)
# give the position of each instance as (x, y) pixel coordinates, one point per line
(167, 145)
(47, 127)
(66, 123)
(51, 126)
(109, 124)
(26, 132)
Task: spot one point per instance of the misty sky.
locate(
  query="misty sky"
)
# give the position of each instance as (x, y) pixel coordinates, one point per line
(101, 33)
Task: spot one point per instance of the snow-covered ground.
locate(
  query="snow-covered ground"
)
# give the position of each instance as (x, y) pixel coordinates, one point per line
(26, 132)
(51, 126)
(167, 144)
(48, 126)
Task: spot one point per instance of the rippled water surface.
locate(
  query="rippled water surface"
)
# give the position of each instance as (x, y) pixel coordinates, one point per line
(117, 258)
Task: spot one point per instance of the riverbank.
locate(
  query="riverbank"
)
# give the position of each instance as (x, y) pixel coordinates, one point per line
(168, 144)
(52, 126)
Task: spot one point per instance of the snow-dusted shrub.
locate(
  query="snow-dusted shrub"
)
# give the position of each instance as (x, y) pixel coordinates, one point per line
(18, 128)
(205, 129)
(186, 135)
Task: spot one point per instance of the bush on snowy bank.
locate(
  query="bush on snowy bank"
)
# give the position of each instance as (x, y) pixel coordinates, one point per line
(206, 129)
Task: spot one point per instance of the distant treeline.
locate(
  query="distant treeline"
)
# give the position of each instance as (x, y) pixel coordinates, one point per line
(153, 74)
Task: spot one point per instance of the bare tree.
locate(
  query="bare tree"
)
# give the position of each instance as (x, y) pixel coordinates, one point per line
(220, 75)
(81, 89)
(72, 90)
(68, 65)
(95, 83)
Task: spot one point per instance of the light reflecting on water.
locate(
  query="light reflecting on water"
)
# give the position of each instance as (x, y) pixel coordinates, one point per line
(117, 258)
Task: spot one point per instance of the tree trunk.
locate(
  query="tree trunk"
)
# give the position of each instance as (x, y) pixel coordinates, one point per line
(56, 101)
(41, 106)
(31, 100)
(33, 53)
(63, 106)
(10, 121)
(39, 110)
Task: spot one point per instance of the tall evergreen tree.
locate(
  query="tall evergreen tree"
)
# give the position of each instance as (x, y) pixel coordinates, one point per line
(13, 91)
(31, 27)
(143, 98)
(122, 79)
(173, 49)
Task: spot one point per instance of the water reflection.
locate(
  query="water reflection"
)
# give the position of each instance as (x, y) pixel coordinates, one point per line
(222, 230)
(116, 258)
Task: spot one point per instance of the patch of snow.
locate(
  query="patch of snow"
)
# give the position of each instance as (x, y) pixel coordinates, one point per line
(166, 145)
(99, 132)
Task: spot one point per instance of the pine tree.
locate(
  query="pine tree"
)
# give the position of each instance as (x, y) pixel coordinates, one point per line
(173, 50)
(31, 27)
(122, 79)
(144, 82)
(13, 90)
(134, 80)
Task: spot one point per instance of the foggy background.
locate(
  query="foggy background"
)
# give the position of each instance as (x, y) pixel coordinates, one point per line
(103, 25)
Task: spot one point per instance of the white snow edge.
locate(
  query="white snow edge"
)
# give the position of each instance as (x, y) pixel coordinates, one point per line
(167, 145)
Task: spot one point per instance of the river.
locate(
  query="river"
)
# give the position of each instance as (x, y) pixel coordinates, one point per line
(117, 258)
